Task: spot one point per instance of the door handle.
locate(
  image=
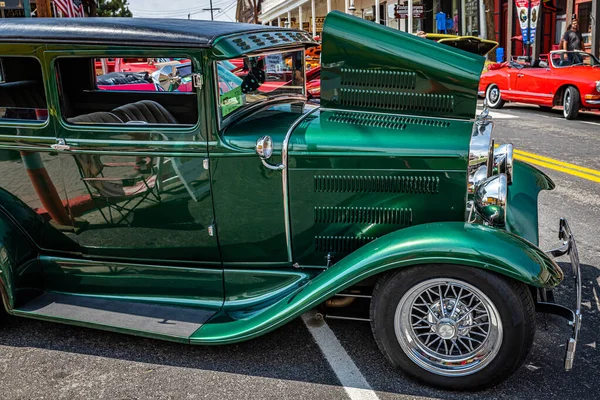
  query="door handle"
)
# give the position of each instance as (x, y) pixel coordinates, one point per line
(519, 75)
(60, 145)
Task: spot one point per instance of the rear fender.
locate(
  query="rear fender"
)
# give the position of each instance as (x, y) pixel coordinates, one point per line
(457, 243)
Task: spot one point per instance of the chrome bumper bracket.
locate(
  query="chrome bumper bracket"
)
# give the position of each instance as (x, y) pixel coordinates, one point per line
(573, 316)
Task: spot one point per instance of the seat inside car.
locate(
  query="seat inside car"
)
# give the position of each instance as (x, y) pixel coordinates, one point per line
(96, 117)
(145, 110)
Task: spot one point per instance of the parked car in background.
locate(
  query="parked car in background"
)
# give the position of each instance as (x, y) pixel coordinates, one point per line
(570, 79)
(219, 213)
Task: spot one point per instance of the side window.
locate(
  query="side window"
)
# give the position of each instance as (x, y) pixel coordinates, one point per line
(22, 96)
(156, 91)
(141, 74)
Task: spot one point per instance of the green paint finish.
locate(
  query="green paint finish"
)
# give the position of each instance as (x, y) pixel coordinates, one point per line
(522, 211)
(248, 197)
(368, 66)
(251, 291)
(387, 171)
(169, 285)
(234, 46)
(20, 276)
(437, 243)
(377, 178)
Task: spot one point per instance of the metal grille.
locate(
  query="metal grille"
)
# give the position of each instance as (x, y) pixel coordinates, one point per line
(340, 244)
(363, 215)
(377, 184)
(384, 121)
(380, 79)
(397, 101)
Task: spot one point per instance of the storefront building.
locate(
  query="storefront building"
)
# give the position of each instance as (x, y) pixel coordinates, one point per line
(426, 16)
(463, 17)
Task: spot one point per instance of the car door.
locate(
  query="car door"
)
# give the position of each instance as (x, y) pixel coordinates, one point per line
(531, 85)
(134, 164)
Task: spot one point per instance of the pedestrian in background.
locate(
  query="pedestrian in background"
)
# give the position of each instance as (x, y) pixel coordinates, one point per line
(572, 39)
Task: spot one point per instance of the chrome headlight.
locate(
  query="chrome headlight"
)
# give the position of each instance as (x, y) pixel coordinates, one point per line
(503, 161)
(490, 199)
(598, 86)
(476, 178)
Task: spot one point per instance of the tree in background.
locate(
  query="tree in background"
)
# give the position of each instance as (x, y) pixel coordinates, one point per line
(113, 8)
(490, 24)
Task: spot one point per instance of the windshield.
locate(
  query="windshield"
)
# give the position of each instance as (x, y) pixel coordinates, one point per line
(573, 58)
(250, 80)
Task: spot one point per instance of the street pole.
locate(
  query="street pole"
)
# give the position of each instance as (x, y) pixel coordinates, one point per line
(537, 44)
(509, 28)
(528, 32)
(211, 9)
(570, 12)
(595, 50)
(27, 8)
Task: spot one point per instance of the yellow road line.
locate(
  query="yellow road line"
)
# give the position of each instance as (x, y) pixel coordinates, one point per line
(557, 167)
(558, 163)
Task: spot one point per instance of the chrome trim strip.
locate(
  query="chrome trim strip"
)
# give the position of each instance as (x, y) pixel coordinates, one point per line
(592, 101)
(284, 182)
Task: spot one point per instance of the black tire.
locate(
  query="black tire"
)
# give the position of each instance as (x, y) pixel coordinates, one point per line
(571, 103)
(512, 301)
(493, 96)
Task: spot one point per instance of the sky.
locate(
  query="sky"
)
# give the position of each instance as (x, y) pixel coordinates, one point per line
(181, 8)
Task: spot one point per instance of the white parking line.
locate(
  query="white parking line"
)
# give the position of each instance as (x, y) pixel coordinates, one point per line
(499, 115)
(354, 383)
(591, 123)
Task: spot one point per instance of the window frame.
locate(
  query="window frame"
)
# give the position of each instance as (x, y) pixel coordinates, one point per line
(32, 123)
(224, 122)
(65, 126)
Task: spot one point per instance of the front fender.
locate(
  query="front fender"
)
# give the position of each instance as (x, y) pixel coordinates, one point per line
(522, 211)
(15, 249)
(472, 245)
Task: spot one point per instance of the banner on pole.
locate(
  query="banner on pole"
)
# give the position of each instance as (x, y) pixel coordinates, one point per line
(528, 28)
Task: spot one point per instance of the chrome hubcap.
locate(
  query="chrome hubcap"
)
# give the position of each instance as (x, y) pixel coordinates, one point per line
(567, 102)
(448, 327)
(493, 95)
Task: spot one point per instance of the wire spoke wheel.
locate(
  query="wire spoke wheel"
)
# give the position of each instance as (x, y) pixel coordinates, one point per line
(448, 327)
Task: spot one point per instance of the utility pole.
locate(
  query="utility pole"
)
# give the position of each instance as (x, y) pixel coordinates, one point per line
(211, 9)
(595, 50)
(43, 8)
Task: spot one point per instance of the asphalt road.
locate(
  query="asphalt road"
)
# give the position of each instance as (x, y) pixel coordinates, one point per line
(40, 360)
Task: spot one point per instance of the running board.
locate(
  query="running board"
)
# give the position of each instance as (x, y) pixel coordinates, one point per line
(143, 319)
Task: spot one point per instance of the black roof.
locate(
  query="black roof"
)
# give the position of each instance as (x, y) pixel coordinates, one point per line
(123, 31)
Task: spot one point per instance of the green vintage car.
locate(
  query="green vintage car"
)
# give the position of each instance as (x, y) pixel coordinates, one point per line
(218, 211)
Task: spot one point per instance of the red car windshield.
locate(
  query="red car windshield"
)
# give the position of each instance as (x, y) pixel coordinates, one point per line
(561, 59)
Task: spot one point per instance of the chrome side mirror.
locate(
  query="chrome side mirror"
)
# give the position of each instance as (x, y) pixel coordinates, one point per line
(167, 78)
(264, 149)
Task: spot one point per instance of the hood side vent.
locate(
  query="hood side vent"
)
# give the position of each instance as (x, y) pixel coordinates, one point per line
(363, 215)
(377, 184)
(381, 79)
(384, 120)
(340, 244)
(397, 101)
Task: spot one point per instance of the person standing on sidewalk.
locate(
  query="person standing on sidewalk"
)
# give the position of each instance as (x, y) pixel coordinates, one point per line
(572, 39)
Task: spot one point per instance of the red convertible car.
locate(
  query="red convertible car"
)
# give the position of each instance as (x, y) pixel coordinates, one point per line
(566, 78)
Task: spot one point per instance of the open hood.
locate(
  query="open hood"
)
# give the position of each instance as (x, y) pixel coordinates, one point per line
(371, 67)
(472, 44)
